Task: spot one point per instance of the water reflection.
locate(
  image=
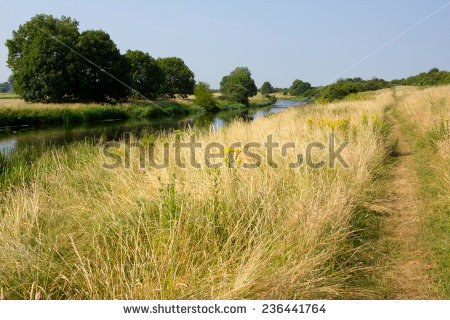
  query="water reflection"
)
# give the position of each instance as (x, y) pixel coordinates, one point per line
(16, 137)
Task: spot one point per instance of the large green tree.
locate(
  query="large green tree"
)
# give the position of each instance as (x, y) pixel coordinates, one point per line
(238, 85)
(299, 87)
(52, 62)
(146, 76)
(241, 76)
(266, 88)
(44, 67)
(103, 78)
(235, 92)
(178, 78)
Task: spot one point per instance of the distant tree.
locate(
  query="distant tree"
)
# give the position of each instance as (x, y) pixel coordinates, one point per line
(430, 78)
(95, 83)
(238, 85)
(44, 68)
(146, 76)
(298, 87)
(241, 76)
(4, 87)
(338, 90)
(267, 88)
(204, 96)
(11, 82)
(178, 78)
(236, 92)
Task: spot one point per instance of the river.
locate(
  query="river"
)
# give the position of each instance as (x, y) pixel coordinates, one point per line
(16, 137)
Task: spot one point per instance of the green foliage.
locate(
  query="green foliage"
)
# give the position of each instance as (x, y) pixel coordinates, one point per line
(91, 113)
(431, 78)
(146, 75)
(338, 91)
(238, 86)
(204, 96)
(44, 68)
(240, 76)
(96, 84)
(439, 132)
(267, 88)
(271, 99)
(4, 87)
(178, 78)
(236, 92)
(299, 87)
(11, 82)
(344, 87)
(229, 105)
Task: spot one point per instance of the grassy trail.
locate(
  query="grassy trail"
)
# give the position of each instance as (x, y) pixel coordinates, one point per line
(406, 232)
(413, 237)
(410, 272)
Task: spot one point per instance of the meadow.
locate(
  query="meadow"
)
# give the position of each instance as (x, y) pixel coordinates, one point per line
(72, 229)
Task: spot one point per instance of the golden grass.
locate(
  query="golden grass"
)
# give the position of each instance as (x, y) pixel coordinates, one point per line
(79, 231)
(424, 115)
(20, 104)
(280, 95)
(429, 111)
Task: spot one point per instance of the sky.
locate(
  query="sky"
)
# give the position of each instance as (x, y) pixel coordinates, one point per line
(279, 41)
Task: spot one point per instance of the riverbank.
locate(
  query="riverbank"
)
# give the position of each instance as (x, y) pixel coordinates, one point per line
(70, 227)
(16, 112)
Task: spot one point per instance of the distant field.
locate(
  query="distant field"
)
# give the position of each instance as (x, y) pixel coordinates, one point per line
(9, 96)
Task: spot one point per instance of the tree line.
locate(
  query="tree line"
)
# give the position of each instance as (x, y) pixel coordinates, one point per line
(344, 87)
(51, 61)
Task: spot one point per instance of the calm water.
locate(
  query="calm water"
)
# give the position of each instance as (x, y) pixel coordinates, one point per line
(16, 137)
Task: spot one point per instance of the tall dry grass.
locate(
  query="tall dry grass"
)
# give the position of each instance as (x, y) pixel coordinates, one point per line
(425, 115)
(76, 230)
(429, 111)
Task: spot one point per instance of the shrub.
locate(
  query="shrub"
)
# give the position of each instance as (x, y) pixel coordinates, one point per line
(204, 96)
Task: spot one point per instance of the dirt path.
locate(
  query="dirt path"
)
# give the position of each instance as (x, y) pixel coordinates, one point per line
(409, 272)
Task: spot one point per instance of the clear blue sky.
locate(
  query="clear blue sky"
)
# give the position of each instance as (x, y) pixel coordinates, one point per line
(278, 40)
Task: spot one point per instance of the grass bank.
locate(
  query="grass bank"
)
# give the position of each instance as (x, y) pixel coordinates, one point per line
(9, 95)
(71, 229)
(307, 99)
(257, 101)
(17, 112)
(14, 112)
